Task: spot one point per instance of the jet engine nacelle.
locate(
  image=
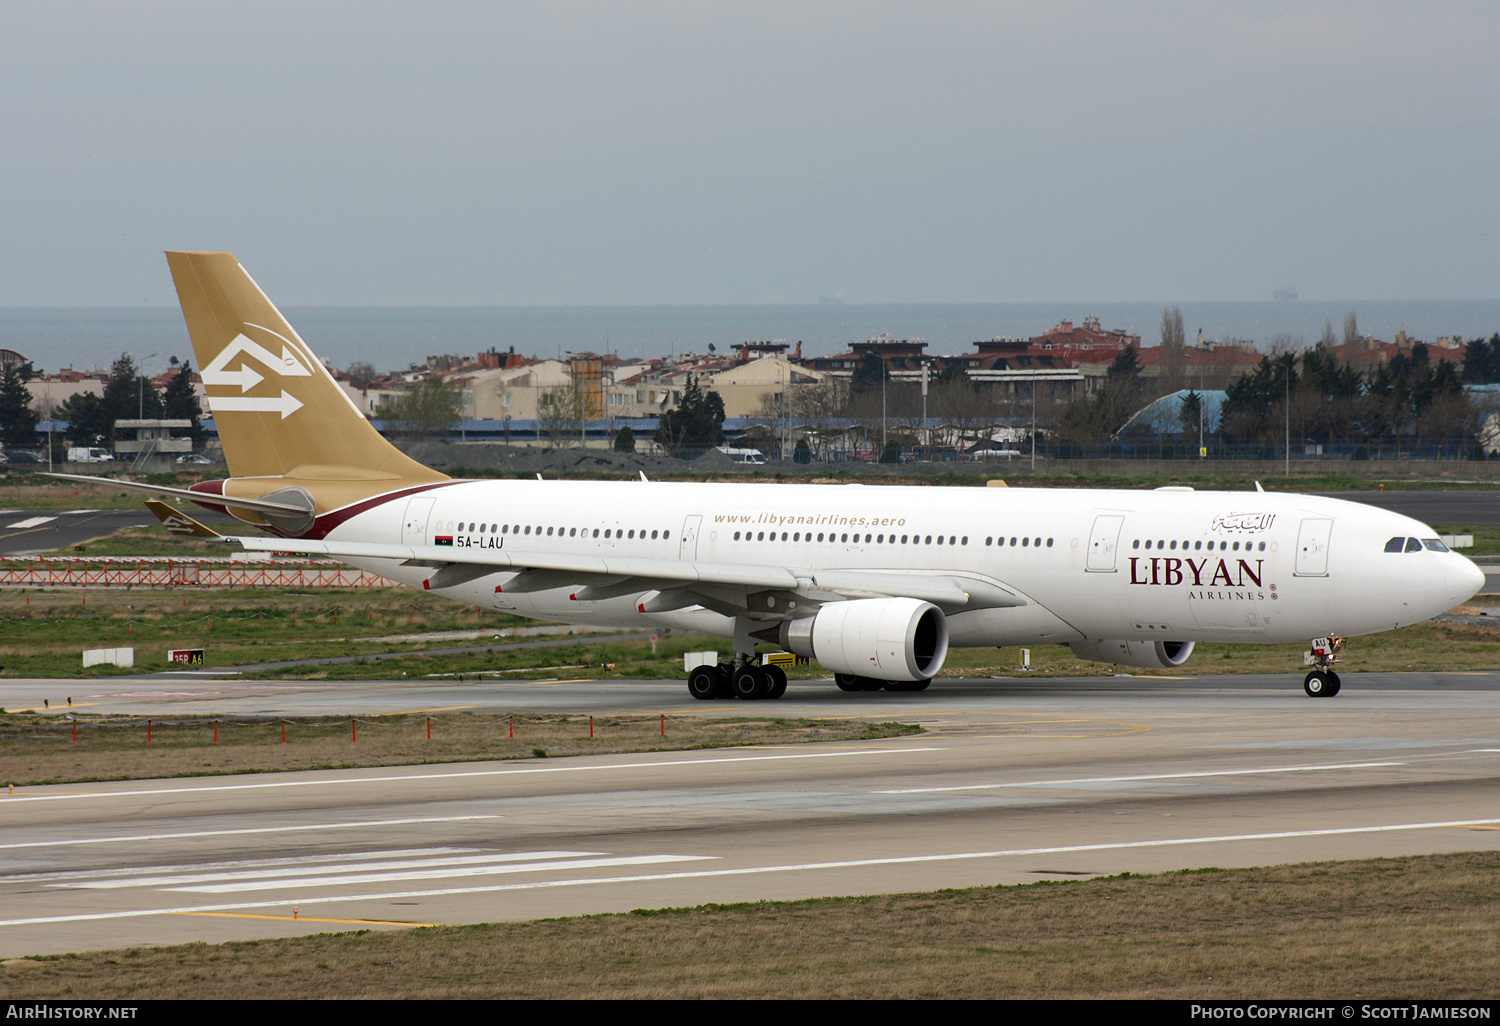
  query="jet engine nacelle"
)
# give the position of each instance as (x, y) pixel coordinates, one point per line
(1151, 655)
(887, 638)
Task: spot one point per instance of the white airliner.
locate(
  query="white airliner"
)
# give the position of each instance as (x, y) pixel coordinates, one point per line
(875, 583)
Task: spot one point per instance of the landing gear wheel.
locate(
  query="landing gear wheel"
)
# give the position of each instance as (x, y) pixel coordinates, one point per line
(848, 682)
(751, 683)
(723, 683)
(1333, 685)
(919, 685)
(703, 683)
(870, 684)
(778, 681)
(1317, 684)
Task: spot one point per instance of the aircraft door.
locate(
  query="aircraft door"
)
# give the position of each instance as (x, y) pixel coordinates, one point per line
(1312, 547)
(688, 547)
(1102, 544)
(414, 526)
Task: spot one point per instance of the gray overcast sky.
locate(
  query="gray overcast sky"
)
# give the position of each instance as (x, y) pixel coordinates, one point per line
(574, 152)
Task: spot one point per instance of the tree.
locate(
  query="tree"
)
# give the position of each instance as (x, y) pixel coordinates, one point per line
(128, 395)
(1482, 361)
(17, 419)
(1126, 366)
(868, 375)
(1173, 343)
(1097, 417)
(1254, 405)
(1351, 329)
(1190, 413)
(696, 423)
(625, 439)
(561, 412)
(84, 412)
(428, 409)
(361, 374)
(962, 411)
(180, 401)
(1328, 340)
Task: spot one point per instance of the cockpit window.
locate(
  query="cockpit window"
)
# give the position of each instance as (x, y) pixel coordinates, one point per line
(1434, 545)
(1412, 545)
(1395, 545)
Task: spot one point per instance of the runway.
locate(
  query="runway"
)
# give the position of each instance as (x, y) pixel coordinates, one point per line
(1013, 781)
(1471, 508)
(29, 532)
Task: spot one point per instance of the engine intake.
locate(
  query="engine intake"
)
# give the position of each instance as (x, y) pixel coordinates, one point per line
(889, 638)
(1151, 655)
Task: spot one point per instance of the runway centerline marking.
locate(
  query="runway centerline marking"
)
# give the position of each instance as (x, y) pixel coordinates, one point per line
(397, 778)
(439, 874)
(760, 870)
(273, 875)
(1144, 776)
(244, 830)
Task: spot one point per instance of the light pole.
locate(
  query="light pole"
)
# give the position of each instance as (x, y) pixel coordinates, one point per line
(1033, 423)
(883, 372)
(140, 379)
(926, 438)
(1287, 404)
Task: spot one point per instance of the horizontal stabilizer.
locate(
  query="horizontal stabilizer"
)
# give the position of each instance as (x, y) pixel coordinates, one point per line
(178, 522)
(204, 498)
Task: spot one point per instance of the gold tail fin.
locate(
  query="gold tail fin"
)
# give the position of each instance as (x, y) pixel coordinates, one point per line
(279, 412)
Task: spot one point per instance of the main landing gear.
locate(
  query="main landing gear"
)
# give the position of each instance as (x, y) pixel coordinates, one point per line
(1322, 682)
(740, 679)
(850, 682)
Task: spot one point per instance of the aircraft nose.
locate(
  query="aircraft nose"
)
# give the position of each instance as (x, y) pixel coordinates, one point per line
(1465, 580)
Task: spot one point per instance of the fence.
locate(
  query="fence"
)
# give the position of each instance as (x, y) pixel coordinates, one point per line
(65, 572)
(1169, 450)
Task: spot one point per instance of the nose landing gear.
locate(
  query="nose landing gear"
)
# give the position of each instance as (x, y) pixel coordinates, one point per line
(1322, 682)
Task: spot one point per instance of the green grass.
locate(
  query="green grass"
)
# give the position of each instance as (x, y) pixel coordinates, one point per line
(37, 748)
(1486, 539)
(42, 634)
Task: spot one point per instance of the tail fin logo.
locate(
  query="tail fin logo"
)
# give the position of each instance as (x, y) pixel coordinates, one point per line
(246, 377)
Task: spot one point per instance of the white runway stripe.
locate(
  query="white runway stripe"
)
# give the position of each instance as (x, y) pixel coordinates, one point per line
(211, 867)
(435, 874)
(31, 522)
(757, 870)
(243, 830)
(216, 875)
(475, 774)
(1076, 781)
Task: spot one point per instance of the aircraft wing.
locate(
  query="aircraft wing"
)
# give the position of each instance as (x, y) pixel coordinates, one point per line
(617, 575)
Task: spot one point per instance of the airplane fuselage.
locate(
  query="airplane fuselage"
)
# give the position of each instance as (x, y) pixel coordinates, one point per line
(1146, 565)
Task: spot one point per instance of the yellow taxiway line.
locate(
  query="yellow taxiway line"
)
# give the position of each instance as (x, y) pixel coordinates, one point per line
(302, 919)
